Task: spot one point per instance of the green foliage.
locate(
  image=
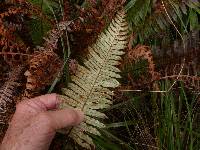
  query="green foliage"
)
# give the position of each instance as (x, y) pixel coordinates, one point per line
(138, 12)
(148, 17)
(40, 24)
(45, 5)
(39, 29)
(172, 124)
(194, 5)
(136, 69)
(175, 130)
(193, 18)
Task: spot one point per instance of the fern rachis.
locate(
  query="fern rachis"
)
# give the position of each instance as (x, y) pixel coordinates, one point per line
(89, 90)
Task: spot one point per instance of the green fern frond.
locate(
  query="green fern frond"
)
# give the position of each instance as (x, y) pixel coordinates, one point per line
(147, 18)
(194, 5)
(138, 11)
(89, 90)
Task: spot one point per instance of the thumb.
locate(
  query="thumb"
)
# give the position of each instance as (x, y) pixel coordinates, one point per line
(64, 118)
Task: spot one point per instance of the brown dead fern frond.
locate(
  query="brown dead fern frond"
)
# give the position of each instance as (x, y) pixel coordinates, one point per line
(8, 92)
(51, 42)
(30, 8)
(13, 51)
(144, 52)
(110, 7)
(4, 30)
(43, 69)
(45, 64)
(91, 22)
(4, 68)
(13, 46)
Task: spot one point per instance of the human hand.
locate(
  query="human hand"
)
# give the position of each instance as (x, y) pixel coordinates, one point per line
(35, 122)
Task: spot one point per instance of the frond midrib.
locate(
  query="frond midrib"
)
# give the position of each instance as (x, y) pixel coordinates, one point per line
(107, 58)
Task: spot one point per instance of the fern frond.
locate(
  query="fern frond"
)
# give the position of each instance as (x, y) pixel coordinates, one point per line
(12, 49)
(43, 69)
(14, 53)
(45, 63)
(89, 90)
(146, 18)
(8, 93)
(138, 11)
(144, 52)
(7, 90)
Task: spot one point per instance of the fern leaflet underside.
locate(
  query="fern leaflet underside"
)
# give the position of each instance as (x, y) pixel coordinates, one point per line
(89, 90)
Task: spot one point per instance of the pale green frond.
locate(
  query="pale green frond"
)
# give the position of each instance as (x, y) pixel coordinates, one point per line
(90, 88)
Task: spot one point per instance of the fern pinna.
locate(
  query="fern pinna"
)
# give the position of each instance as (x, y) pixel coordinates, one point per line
(8, 94)
(89, 90)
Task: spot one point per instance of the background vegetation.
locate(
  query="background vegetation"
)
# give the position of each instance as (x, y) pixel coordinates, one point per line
(157, 104)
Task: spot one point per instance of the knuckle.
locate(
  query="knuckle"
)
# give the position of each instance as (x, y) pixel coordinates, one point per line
(46, 119)
(21, 106)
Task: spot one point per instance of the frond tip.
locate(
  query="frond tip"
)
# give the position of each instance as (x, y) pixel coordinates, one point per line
(89, 90)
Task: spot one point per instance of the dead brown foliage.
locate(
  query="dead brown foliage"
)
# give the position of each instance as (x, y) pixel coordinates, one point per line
(90, 22)
(144, 52)
(43, 69)
(13, 51)
(8, 96)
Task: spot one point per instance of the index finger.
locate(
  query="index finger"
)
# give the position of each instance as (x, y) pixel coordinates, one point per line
(48, 101)
(39, 104)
